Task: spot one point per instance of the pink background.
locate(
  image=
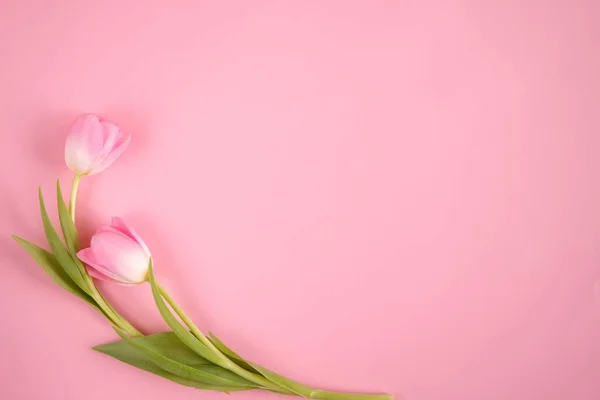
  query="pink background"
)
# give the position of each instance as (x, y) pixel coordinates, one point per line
(370, 196)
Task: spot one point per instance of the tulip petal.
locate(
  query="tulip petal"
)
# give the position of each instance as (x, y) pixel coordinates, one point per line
(92, 137)
(77, 160)
(87, 256)
(94, 273)
(84, 143)
(109, 228)
(111, 157)
(121, 256)
(120, 225)
(111, 139)
(100, 272)
(111, 135)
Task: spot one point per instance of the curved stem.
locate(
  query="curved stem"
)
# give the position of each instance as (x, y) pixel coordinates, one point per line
(328, 395)
(74, 189)
(113, 316)
(226, 362)
(299, 389)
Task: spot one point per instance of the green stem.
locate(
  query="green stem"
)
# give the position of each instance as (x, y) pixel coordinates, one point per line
(326, 395)
(111, 313)
(225, 361)
(303, 390)
(74, 189)
(108, 310)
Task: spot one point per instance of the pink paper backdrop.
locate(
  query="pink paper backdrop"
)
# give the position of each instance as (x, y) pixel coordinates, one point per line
(395, 196)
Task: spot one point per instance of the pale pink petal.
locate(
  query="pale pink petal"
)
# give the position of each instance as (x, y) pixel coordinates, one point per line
(111, 157)
(109, 228)
(120, 225)
(112, 135)
(88, 132)
(92, 137)
(120, 255)
(112, 138)
(94, 273)
(84, 143)
(76, 158)
(88, 257)
(83, 122)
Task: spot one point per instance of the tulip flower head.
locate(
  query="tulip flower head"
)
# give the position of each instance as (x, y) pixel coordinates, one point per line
(117, 254)
(93, 144)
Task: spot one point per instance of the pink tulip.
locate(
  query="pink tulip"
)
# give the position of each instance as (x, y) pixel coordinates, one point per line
(93, 144)
(117, 254)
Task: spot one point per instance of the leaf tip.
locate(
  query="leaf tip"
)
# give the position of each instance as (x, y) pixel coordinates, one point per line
(100, 349)
(40, 195)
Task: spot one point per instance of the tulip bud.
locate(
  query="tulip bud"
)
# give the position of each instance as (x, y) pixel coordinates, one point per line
(117, 254)
(93, 144)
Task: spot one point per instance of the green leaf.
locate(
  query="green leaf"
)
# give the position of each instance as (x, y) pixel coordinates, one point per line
(171, 357)
(313, 393)
(327, 395)
(169, 345)
(71, 266)
(292, 386)
(48, 262)
(66, 223)
(232, 355)
(182, 333)
(128, 354)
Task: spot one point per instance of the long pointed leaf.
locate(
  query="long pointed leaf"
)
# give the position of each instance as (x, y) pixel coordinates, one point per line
(169, 345)
(232, 355)
(313, 393)
(49, 263)
(63, 257)
(284, 382)
(128, 354)
(66, 223)
(182, 333)
(173, 356)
